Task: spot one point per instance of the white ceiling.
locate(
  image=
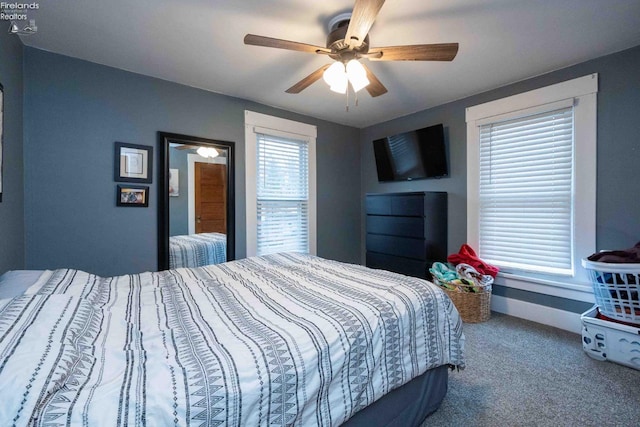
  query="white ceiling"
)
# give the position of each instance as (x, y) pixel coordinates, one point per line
(200, 43)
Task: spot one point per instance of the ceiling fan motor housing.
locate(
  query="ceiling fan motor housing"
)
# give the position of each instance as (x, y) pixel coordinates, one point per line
(339, 48)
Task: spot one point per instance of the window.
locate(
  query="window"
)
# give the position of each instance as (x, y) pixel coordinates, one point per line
(280, 162)
(525, 187)
(282, 195)
(531, 183)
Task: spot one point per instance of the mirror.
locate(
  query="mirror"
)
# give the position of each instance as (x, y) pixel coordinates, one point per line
(196, 206)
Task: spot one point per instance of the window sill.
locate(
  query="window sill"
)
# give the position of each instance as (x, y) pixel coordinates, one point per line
(575, 291)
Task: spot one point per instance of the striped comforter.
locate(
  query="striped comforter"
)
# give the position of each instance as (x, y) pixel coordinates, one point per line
(276, 340)
(197, 250)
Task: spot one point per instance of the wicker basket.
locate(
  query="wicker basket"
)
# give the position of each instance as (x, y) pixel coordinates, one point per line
(474, 307)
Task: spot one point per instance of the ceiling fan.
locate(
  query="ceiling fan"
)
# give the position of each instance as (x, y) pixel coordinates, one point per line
(347, 42)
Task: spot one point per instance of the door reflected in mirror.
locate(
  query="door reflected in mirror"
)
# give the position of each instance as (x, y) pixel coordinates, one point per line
(196, 220)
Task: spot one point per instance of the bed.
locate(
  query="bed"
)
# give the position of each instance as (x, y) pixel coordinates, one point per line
(285, 339)
(197, 250)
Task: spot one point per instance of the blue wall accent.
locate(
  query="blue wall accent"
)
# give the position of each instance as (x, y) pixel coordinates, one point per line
(618, 204)
(12, 252)
(75, 111)
(179, 205)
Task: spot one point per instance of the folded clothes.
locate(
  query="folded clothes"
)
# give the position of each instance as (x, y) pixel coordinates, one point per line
(462, 278)
(444, 275)
(467, 255)
(631, 255)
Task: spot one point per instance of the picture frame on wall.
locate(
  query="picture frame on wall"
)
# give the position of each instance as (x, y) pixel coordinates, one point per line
(1, 134)
(133, 196)
(133, 163)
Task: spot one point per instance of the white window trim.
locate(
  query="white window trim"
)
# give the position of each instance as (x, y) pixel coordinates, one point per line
(583, 93)
(255, 123)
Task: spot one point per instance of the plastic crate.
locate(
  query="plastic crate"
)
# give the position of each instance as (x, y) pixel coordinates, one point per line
(604, 340)
(616, 289)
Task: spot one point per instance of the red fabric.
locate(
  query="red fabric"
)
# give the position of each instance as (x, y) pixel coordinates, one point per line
(468, 256)
(609, 319)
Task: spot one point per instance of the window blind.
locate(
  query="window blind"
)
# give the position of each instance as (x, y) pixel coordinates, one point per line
(525, 192)
(282, 195)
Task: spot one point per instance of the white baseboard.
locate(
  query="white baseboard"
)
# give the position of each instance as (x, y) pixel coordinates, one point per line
(537, 313)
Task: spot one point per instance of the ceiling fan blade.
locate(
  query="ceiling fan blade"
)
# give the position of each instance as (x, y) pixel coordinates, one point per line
(308, 81)
(254, 40)
(417, 52)
(375, 87)
(362, 18)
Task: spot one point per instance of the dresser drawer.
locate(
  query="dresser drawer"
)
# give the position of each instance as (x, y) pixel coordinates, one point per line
(410, 267)
(395, 245)
(378, 205)
(399, 205)
(410, 205)
(396, 225)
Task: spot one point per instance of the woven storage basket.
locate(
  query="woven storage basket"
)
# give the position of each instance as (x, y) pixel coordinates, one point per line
(474, 307)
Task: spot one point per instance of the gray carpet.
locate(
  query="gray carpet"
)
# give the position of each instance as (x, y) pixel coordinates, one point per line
(521, 373)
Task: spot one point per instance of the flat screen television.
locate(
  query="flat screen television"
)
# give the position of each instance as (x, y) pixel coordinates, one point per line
(419, 154)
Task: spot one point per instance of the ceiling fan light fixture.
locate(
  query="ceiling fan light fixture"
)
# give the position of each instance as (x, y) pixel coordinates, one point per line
(336, 77)
(207, 152)
(357, 75)
(340, 88)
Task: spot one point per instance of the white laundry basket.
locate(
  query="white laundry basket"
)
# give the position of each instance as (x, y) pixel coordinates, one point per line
(616, 288)
(605, 340)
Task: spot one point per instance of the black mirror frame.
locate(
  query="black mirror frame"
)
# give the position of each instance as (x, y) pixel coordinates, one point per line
(165, 139)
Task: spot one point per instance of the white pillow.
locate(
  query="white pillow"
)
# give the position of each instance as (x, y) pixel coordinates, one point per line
(16, 282)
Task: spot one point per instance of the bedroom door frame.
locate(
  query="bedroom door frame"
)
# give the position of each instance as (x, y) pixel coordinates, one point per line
(192, 159)
(165, 139)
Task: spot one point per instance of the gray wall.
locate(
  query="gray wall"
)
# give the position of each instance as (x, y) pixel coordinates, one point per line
(179, 205)
(76, 110)
(618, 195)
(12, 252)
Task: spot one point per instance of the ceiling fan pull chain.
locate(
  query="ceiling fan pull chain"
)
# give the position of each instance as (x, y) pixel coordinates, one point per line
(347, 106)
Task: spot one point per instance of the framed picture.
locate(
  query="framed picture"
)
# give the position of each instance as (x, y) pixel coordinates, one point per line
(1, 134)
(133, 196)
(133, 163)
(174, 182)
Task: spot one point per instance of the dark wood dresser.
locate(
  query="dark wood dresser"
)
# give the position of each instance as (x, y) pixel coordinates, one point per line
(406, 232)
